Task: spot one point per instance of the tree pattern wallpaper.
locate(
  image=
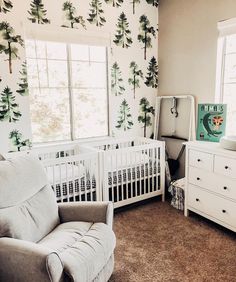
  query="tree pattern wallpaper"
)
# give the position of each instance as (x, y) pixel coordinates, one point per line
(132, 56)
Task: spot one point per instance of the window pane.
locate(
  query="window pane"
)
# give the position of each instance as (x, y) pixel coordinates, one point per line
(90, 108)
(79, 52)
(97, 54)
(229, 98)
(231, 44)
(30, 48)
(56, 51)
(41, 49)
(50, 116)
(57, 73)
(32, 72)
(88, 75)
(230, 68)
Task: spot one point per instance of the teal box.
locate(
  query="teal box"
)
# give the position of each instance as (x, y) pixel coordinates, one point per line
(211, 122)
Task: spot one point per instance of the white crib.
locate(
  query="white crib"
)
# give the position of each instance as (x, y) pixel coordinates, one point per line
(130, 169)
(72, 173)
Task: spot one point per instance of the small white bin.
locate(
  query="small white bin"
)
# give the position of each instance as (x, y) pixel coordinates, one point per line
(176, 190)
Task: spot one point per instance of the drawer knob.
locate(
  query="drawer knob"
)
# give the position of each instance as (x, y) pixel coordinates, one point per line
(224, 211)
(225, 188)
(197, 200)
(198, 178)
(198, 160)
(226, 167)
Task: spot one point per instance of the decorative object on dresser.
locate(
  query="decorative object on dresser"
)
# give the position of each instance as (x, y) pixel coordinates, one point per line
(211, 182)
(228, 142)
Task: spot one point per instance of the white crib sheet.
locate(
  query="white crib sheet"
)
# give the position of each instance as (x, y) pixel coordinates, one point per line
(64, 173)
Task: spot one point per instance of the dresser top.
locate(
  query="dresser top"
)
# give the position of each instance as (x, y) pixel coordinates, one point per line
(211, 147)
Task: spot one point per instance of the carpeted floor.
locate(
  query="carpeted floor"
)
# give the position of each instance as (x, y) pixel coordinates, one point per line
(155, 242)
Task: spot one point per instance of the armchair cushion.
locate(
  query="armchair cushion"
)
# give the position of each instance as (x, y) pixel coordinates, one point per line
(86, 246)
(28, 208)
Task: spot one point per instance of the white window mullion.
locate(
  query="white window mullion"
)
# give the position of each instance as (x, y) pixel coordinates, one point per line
(70, 90)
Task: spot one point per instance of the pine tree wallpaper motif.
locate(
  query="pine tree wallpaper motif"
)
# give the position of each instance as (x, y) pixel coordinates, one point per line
(132, 27)
(123, 34)
(136, 75)
(38, 13)
(134, 2)
(115, 3)
(152, 75)
(8, 43)
(9, 109)
(117, 84)
(70, 15)
(23, 89)
(125, 118)
(146, 112)
(5, 6)
(16, 139)
(146, 30)
(96, 12)
(153, 2)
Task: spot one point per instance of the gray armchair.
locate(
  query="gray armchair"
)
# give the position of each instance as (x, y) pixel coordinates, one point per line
(41, 241)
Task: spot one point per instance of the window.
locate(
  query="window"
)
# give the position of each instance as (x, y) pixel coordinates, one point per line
(226, 72)
(68, 90)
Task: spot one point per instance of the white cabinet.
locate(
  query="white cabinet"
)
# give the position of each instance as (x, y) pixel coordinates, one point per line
(211, 182)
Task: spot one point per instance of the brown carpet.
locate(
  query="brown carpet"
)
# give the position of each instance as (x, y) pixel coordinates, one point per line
(155, 242)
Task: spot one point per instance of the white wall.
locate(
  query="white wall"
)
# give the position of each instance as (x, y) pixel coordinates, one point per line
(187, 45)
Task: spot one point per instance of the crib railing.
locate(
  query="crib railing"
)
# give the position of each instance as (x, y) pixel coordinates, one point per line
(131, 169)
(75, 177)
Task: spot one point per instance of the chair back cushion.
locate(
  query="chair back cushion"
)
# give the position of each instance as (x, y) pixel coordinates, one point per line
(28, 208)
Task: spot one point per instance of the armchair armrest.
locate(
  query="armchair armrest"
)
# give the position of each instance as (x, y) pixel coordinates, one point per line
(87, 211)
(24, 261)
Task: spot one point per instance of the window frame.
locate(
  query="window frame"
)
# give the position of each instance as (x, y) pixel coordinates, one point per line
(225, 28)
(70, 88)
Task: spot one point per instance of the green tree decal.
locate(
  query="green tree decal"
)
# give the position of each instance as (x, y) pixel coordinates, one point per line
(8, 42)
(95, 15)
(23, 85)
(5, 6)
(70, 14)
(134, 2)
(122, 36)
(136, 75)
(16, 138)
(117, 86)
(152, 75)
(115, 3)
(9, 109)
(145, 114)
(145, 31)
(38, 13)
(125, 119)
(153, 2)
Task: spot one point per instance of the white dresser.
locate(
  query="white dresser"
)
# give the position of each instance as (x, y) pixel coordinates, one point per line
(211, 182)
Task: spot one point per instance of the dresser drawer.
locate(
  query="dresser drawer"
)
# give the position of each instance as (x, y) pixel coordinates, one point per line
(212, 205)
(225, 166)
(213, 182)
(201, 160)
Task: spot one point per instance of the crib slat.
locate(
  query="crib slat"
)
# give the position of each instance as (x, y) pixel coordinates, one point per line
(73, 182)
(67, 184)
